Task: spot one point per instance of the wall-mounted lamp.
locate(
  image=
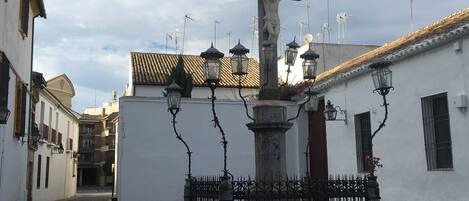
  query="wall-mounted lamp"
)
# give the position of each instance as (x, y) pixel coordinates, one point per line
(59, 150)
(4, 114)
(331, 112)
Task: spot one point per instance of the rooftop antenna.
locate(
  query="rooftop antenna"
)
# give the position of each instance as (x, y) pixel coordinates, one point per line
(301, 28)
(170, 37)
(328, 21)
(229, 41)
(255, 31)
(177, 34)
(215, 35)
(308, 9)
(412, 15)
(186, 18)
(326, 31)
(342, 19)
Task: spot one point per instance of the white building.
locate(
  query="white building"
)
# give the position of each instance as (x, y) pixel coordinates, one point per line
(149, 72)
(423, 146)
(330, 55)
(17, 31)
(55, 173)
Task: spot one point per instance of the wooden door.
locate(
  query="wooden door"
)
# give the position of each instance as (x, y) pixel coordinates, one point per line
(318, 142)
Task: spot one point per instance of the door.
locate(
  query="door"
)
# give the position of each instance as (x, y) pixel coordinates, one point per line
(318, 142)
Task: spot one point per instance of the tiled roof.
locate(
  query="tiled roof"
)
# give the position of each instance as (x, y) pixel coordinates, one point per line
(153, 68)
(445, 25)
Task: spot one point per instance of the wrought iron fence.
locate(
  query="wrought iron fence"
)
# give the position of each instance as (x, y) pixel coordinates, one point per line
(341, 188)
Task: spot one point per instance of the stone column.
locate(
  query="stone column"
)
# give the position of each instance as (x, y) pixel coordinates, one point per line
(270, 122)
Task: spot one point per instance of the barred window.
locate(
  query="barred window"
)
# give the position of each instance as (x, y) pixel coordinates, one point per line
(47, 171)
(436, 129)
(24, 17)
(20, 109)
(363, 140)
(4, 79)
(38, 174)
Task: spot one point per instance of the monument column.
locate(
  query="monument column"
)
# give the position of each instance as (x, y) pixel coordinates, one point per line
(270, 121)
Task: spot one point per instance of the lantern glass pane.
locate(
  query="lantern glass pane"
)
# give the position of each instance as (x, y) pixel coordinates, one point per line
(212, 70)
(290, 56)
(330, 115)
(239, 64)
(174, 100)
(382, 78)
(309, 69)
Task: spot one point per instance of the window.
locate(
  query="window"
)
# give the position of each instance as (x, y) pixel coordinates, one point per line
(20, 109)
(24, 17)
(4, 79)
(38, 176)
(41, 118)
(50, 123)
(363, 140)
(436, 129)
(47, 171)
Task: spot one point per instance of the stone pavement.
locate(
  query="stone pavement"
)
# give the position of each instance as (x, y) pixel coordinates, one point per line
(91, 195)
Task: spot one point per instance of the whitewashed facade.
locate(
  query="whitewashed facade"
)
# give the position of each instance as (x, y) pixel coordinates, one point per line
(59, 181)
(152, 163)
(437, 65)
(16, 45)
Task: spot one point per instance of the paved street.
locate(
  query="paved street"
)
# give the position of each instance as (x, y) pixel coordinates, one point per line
(91, 196)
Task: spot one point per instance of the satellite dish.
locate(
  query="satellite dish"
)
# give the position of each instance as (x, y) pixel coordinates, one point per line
(309, 38)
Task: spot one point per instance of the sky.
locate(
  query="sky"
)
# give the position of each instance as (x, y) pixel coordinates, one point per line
(90, 40)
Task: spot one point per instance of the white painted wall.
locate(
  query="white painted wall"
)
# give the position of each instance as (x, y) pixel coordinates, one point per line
(400, 145)
(151, 162)
(197, 92)
(62, 180)
(13, 154)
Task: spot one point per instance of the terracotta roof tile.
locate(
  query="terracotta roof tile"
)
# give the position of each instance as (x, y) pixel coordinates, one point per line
(153, 68)
(446, 24)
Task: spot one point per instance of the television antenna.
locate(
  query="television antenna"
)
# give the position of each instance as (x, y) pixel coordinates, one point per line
(342, 19)
(187, 17)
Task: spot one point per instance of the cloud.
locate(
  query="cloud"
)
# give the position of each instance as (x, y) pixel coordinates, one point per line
(90, 40)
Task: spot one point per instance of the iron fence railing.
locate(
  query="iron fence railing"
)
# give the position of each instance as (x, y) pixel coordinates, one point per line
(335, 188)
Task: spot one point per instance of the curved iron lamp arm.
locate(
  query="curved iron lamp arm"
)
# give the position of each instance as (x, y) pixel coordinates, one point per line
(383, 92)
(304, 103)
(178, 136)
(244, 100)
(212, 87)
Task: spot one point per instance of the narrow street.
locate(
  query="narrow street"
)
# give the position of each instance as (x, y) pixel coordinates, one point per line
(91, 196)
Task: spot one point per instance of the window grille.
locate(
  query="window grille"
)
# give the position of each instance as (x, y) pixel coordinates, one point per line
(436, 129)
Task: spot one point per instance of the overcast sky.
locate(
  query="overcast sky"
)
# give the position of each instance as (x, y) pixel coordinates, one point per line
(90, 40)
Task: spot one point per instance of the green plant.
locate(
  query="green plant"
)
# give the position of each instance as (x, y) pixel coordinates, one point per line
(182, 78)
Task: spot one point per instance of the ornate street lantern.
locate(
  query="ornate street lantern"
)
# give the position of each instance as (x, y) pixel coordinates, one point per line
(310, 64)
(239, 60)
(382, 76)
(35, 135)
(212, 65)
(61, 148)
(4, 114)
(330, 112)
(173, 93)
(291, 53)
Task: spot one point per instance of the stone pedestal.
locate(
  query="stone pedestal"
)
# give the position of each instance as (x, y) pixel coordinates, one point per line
(187, 190)
(373, 188)
(225, 192)
(269, 129)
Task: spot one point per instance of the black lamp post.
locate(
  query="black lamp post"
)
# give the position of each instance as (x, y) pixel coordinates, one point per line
(290, 56)
(212, 68)
(382, 79)
(239, 67)
(173, 92)
(309, 66)
(4, 114)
